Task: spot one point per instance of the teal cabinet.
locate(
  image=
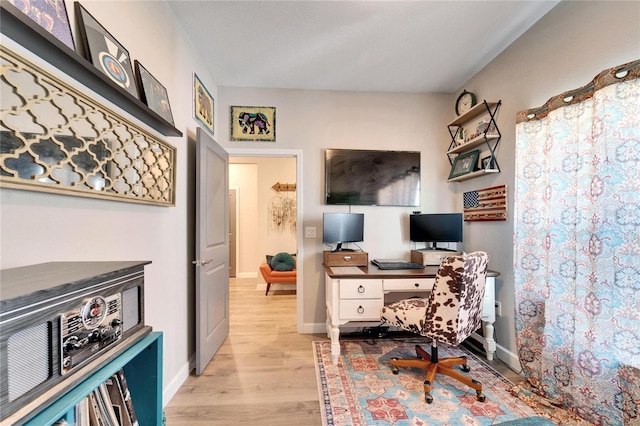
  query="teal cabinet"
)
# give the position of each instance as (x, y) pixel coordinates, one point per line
(142, 364)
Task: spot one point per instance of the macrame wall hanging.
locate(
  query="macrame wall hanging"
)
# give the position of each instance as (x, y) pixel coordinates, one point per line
(282, 209)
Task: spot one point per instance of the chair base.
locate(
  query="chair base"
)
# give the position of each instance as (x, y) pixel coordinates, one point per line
(439, 366)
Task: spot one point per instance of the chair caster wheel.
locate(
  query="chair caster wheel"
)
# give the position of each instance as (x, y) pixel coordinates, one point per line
(428, 398)
(465, 368)
(481, 397)
(394, 369)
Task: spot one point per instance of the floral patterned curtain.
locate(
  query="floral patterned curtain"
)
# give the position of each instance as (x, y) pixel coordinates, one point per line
(577, 248)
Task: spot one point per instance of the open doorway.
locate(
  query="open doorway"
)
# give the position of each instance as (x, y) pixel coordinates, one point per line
(259, 228)
(233, 231)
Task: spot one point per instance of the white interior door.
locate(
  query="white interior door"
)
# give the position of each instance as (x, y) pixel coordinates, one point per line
(212, 248)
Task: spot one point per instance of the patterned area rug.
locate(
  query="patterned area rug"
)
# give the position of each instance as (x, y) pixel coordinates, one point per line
(362, 390)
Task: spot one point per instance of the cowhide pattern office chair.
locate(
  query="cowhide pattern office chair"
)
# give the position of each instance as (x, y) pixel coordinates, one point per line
(450, 314)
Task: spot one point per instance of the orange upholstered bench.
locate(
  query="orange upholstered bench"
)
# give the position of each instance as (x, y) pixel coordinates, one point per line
(271, 276)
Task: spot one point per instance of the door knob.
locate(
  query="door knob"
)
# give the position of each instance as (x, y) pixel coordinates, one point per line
(202, 262)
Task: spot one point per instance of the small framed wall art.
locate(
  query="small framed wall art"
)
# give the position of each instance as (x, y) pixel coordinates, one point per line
(153, 93)
(464, 163)
(255, 123)
(488, 163)
(202, 104)
(105, 52)
(50, 15)
(485, 204)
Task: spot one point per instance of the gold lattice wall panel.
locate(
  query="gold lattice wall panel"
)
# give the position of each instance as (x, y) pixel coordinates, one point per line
(54, 138)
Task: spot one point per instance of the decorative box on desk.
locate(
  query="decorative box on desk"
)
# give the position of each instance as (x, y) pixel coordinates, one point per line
(346, 258)
(431, 257)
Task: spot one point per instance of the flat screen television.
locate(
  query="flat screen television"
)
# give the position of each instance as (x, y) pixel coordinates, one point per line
(341, 228)
(435, 228)
(372, 178)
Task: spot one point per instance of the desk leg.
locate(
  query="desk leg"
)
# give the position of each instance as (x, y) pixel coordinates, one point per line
(333, 333)
(489, 343)
(335, 344)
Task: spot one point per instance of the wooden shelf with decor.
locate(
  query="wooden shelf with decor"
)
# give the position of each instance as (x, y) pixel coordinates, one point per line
(473, 175)
(486, 137)
(18, 27)
(472, 143)
(475, 112)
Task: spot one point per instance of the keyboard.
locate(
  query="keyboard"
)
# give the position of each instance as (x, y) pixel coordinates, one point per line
(397, 265)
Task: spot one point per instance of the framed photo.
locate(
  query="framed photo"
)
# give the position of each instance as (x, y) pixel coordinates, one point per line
(202, 104)
(153, 93)
(464, 163)
(487, 163)
(50, 15)
(104, 51)
(253, 123)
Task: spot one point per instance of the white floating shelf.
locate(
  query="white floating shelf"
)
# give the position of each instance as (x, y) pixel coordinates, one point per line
(477, 141)
(473, 174)
(477, 110)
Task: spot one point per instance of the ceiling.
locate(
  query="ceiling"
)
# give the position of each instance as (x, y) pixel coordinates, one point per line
(389, 46)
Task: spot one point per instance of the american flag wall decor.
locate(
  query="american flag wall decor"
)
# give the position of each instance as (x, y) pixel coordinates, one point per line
(485, 204)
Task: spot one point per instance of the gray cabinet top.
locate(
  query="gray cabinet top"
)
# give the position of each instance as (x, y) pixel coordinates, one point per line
(17, 282)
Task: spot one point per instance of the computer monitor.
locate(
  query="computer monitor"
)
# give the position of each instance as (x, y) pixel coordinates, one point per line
(436, 228)
(340, 228)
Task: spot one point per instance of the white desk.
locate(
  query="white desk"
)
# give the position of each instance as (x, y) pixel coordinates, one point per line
(357, 298)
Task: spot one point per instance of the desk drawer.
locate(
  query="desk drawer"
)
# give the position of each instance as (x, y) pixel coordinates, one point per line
(408, 284)
(361, 310)
(346, 258)
(360, 289)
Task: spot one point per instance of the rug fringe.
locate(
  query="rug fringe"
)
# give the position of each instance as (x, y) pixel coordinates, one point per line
(545, 407)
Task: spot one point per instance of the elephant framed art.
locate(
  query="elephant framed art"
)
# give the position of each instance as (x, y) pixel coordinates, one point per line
(202, 104)
(253, 123)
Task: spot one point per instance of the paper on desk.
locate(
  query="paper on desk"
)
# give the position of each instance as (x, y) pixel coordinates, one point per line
(346, 270)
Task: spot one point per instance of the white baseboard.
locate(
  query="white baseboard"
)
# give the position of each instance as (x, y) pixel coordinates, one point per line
(171, 388)
(276, 286)
(247, 275)
(509, 358)
(314, 328)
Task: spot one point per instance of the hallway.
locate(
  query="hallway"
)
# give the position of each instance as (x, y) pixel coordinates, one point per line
(264, 372)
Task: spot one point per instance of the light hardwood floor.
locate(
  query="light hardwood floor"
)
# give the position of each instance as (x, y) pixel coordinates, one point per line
(264, 372)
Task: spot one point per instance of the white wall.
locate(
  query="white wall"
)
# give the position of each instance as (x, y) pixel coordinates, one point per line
(565, 50)
(38, 227)
(244, 178)
(254, 177)
(315, 120)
